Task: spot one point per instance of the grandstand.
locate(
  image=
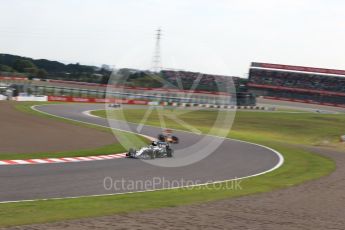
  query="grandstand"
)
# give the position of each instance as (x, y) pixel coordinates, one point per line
(297, 83)
(206, 82)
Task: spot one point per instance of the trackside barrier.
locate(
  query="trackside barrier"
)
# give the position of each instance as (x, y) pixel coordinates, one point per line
(31, 98)
(304, 101)
(155, 103)
(145, 102)
(215, 106)
(223, 106)
(13, 78)
(96, 100)
(137, 88)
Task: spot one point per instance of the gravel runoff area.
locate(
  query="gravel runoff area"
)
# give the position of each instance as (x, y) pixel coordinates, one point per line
(26, 133)
(314, 205)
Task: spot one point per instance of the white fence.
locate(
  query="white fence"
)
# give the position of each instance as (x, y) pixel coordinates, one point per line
(31, 98)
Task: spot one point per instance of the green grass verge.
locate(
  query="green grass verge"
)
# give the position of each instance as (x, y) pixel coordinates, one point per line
(300, 166)
(293, 128)
(104, 150)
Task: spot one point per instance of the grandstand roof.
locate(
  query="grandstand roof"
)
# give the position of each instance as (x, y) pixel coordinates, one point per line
(298, 69)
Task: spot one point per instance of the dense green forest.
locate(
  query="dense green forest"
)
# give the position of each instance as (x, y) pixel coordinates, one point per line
(42, 68)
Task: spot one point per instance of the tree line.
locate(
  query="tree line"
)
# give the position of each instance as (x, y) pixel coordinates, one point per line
(46, 69)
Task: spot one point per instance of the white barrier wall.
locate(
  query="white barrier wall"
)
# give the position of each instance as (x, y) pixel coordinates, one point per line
(2, 97)
(31, 98)
(153, 103)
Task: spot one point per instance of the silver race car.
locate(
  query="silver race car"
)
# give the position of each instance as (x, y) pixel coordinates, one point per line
(155, 150)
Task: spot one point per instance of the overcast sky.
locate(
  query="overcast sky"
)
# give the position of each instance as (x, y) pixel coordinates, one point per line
(218, 36)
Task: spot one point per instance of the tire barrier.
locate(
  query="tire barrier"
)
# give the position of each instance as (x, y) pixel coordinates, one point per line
(211, 106)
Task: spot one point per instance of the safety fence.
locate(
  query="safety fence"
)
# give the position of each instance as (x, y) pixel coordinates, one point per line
(304, 101)
(147, 102)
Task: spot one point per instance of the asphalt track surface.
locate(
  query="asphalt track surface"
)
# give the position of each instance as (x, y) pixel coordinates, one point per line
(232, 159)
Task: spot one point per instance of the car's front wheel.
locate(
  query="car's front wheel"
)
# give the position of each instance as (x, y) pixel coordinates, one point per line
(131, 152)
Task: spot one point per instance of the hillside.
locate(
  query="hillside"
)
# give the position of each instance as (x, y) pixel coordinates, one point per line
(47, 69)
(43, 68)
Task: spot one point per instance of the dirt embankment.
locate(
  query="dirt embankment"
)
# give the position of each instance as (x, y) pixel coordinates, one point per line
(26, 133)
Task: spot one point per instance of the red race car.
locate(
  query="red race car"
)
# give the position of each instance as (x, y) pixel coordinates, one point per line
(167, 136)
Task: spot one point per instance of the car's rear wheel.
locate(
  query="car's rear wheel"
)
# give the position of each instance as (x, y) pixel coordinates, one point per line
(175, 139)
(148, 154)
(169, 152)
(152, 155)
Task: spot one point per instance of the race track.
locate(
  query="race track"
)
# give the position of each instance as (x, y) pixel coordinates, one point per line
(232, 159)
